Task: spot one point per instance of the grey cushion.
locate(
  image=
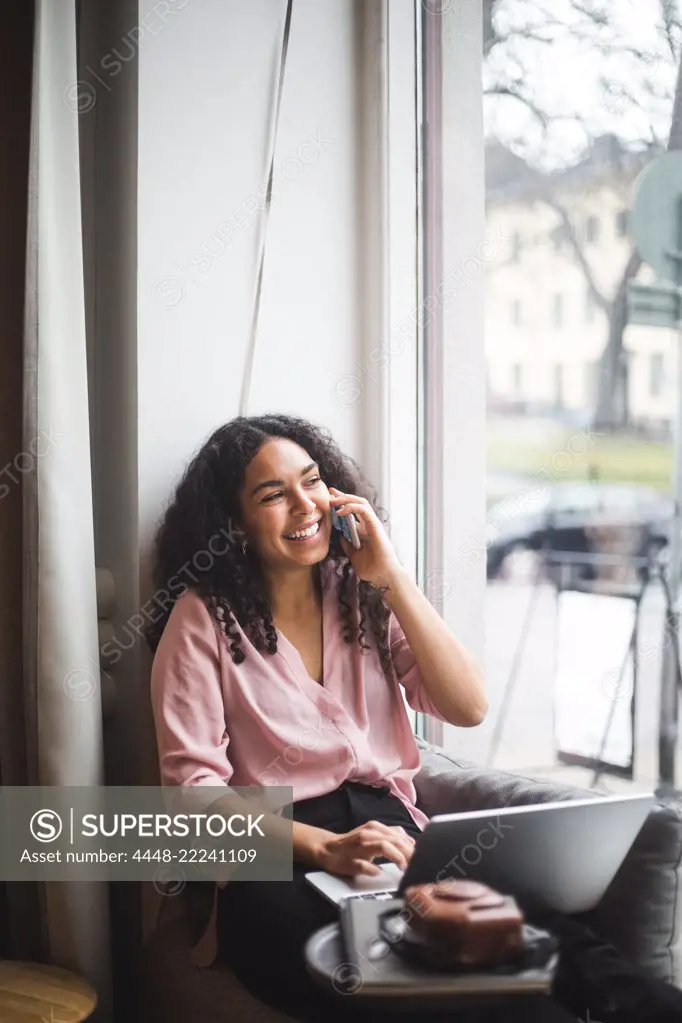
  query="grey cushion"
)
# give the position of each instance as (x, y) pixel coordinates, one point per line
(641, 912)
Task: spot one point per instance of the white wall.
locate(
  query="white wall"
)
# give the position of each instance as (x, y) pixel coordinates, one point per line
(205, 91)
(206, 88)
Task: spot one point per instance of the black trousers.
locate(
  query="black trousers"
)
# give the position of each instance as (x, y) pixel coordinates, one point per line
(263, 927)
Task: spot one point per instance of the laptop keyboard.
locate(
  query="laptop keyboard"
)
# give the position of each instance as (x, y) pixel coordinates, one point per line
(372, 895)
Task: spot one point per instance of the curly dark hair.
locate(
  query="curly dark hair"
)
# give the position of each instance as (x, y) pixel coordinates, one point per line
(233, 586)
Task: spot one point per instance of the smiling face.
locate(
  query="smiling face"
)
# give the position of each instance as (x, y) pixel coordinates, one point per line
(283, 494)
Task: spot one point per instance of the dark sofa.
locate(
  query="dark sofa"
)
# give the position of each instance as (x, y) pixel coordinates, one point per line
(641, 913)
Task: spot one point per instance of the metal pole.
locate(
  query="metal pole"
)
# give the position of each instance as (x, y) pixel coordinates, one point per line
(668, 720)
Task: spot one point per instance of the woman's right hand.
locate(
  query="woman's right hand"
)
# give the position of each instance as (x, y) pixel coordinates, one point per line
(352, 853)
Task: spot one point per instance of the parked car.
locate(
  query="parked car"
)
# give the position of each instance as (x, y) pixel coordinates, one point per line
(615, 519)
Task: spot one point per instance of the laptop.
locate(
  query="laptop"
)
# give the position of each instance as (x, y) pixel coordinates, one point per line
(560, 856)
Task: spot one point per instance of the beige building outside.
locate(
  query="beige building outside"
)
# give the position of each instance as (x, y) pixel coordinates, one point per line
(545, 332)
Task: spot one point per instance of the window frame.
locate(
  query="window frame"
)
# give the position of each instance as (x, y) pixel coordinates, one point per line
(557, 310)
(426, 154)
(657, 375)
(592, 229)
(558, 385)
(452, 537)
(388, 34)
(517, 379)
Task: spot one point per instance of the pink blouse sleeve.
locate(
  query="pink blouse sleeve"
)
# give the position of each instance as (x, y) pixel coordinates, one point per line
(187, 700)
(407, 671)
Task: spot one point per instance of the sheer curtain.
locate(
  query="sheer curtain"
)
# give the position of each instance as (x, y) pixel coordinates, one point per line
(49, 734)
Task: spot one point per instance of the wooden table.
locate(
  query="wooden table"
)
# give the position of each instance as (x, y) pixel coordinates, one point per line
(35, 993)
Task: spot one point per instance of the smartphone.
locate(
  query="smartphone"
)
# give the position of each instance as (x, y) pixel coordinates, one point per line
(348, 526)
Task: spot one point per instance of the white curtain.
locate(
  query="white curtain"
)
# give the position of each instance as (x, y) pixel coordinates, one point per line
(61, 682)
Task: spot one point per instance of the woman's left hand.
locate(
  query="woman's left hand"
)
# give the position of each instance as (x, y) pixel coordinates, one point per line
(376, 562)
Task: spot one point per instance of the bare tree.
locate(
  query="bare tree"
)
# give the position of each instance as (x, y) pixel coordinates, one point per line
(612, 402)
(537, 24)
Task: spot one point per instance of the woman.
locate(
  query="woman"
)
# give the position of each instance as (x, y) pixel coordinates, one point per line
(281, 664)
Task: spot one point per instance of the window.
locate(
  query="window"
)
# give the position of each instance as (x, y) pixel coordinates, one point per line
(591, 416)
(591, 229)
(558, 310)
(572, 497)
(516, 313)
(621, 497)
(559, 236)
(590, 383)
(558, 385)
(515, 247)
(517, 379)
(657, 380)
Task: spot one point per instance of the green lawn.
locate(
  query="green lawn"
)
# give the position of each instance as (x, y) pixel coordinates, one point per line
(570, 456)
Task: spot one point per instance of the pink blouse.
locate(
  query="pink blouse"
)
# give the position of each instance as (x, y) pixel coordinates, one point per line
(267, 722)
